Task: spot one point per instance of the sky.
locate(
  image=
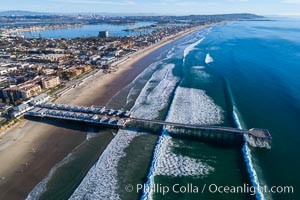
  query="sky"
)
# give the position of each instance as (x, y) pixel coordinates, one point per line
(174, 7)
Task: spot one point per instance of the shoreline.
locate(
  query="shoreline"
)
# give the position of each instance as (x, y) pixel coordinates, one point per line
(31, 149)
(107, 85)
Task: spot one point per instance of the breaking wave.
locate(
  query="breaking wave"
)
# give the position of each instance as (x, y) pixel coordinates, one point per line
(135, 86)
(198, 67)
(171, 164)
(193, 106)
(140, 80)
(252, 172)
(208, 59)
(190, 48)
(41, 187)
(190, 106)
(156, 93)
(167, 163)
(101, 180)
(246, 150)
(247, 156)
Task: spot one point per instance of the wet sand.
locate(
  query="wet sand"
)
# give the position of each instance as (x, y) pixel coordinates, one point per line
(99, 88)
(30, 149)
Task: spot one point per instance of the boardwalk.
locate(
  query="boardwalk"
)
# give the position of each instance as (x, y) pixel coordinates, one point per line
(255, 137)
(123, 119)
(259, 133)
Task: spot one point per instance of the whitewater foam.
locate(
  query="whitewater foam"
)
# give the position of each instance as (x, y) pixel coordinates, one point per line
(246, 151)
(154, 97)
(167, 163)
(41, 187)
(202, 75)
(193, 106)
(134, 91)
(198, 67)
(235, 114)
(171, 164)
(101, 180)
(190, 48)
(208, 59)
(134, 85)
(252, 172)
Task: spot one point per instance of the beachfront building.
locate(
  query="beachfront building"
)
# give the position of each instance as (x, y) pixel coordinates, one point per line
(50, 82)
(22, 91)
(42, 98)
(103, 34)
(6, 70)
(77, 70)
(48, 72)
(108, 59)
(21, 109)
(74, 71)
(84, 68)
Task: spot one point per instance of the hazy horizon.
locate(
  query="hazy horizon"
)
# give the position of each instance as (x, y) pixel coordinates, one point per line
(157, 7)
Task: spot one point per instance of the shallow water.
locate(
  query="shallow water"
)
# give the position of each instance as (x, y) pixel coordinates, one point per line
(90, 30)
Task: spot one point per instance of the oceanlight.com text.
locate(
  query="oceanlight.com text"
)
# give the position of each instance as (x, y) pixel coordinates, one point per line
(191, 188)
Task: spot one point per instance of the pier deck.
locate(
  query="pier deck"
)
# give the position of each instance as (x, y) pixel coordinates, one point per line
(122, 119)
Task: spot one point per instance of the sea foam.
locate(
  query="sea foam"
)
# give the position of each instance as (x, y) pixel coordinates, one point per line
(191, 47)
(171, 164)
(101, 180)
(198, 67)
(41, 187)
(134, 85)
(208, 59)
(193, 106)
(253, 176)
(190, 106)
(246, 151)
(156, 94)
(202, 75)
(167, 163)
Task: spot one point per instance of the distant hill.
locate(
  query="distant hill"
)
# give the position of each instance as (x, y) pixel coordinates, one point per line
(30, 13)
(240, 16)
(21, 13)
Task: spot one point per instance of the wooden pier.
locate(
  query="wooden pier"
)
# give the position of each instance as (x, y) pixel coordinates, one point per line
(122, 119)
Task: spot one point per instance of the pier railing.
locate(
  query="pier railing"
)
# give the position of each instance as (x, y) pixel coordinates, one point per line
(122, 119)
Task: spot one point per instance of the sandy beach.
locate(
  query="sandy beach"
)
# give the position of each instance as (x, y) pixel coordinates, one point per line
(104, 86)
(30, 149)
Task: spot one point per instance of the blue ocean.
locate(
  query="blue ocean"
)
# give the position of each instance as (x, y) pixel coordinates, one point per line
(242, 74)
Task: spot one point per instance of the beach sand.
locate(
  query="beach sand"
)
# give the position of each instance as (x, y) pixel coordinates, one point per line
(30, 149)
(104, 86)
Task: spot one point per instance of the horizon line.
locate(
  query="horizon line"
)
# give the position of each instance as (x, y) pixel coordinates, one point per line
(103, 12)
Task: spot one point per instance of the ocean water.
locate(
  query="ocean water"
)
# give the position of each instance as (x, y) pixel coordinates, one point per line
(239, 74)
(90, 30)
(260, 61)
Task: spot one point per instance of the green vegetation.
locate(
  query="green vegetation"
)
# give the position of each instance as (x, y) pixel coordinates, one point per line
(57, 88)
(81, 75)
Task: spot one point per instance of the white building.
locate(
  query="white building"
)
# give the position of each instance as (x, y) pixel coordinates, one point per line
(51, 82)
(42, 98)
(21, 109)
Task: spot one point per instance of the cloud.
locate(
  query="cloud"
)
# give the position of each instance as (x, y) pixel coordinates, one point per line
(180, 3)
(97, 2)
(238, 0)
(187, 3)
(291, 1)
